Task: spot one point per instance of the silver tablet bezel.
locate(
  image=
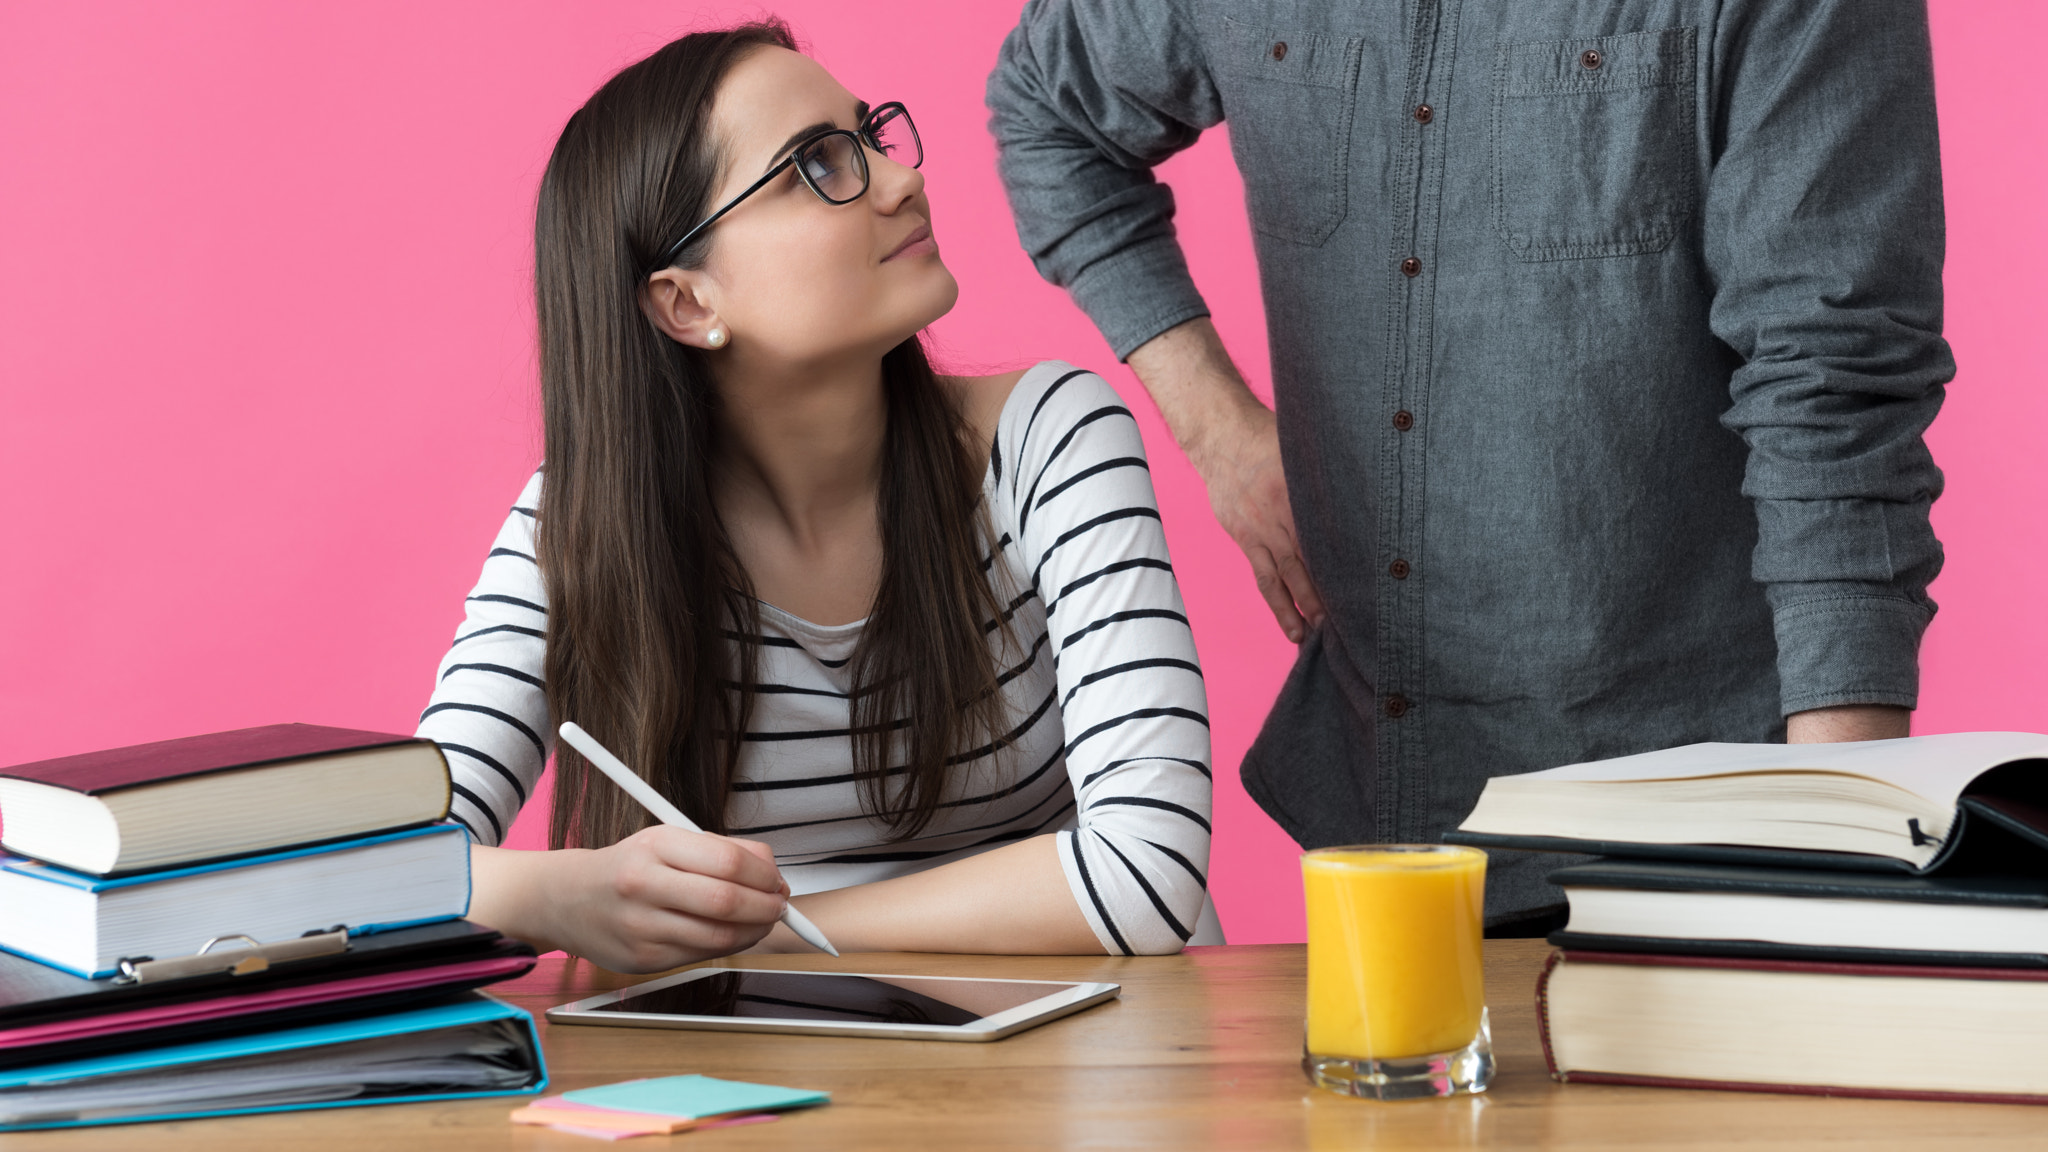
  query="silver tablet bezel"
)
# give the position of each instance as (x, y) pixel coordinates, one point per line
(1077, 994)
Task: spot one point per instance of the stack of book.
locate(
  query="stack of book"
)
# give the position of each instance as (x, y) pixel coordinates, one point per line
(1866, 919)
(253, 920)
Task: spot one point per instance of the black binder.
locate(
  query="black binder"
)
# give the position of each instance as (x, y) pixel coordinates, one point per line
(2025, 893)
(33, 994)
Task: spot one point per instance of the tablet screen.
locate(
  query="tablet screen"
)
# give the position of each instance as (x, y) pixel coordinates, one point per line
(834, 996)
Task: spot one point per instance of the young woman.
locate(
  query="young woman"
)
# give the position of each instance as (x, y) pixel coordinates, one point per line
(937, 612)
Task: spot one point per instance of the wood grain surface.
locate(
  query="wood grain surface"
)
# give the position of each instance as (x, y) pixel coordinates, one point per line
(1202, 1051)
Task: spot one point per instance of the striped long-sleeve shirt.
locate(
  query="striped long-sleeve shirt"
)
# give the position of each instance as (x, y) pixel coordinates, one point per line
(1110, 737)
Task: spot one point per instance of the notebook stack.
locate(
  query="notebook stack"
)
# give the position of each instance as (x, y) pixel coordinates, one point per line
(1866, 919)
(254, 920)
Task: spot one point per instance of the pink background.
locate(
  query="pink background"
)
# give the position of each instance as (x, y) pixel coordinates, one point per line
(267, 366)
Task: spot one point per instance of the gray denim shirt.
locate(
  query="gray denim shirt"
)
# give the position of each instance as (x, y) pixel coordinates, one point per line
(1604, 337)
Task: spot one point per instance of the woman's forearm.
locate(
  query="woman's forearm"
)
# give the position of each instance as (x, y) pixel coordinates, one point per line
(1013, 899)
(1010, 900)
(507, 892)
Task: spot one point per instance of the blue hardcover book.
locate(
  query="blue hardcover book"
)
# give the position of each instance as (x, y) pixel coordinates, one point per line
(87, 924)
(473, 1046)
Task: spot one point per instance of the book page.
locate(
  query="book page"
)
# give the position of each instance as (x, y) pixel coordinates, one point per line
(1937, 768)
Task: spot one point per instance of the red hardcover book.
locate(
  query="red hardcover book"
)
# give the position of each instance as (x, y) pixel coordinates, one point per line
(225, 794)
(1809, 1027)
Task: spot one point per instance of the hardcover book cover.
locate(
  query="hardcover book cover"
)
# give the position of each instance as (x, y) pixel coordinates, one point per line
(96, 772)
(1997, 920)
(1833, 1029)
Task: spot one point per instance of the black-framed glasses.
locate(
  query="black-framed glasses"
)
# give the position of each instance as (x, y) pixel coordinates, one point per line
(833, 164)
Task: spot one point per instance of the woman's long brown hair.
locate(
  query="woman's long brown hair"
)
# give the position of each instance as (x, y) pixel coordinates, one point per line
(649, 613)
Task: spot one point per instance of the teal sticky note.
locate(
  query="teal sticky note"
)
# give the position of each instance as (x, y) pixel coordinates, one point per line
(693, 1096)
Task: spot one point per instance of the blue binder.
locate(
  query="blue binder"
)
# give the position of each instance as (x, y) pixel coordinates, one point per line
(473, 1008)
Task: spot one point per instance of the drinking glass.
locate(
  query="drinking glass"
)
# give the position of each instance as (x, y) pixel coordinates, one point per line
(1396, 990)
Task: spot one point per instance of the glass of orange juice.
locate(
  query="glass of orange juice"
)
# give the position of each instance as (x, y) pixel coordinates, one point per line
(1396, 991)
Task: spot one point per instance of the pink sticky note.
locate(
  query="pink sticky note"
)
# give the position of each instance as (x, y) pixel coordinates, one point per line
(598, 1133)
(621, 1134)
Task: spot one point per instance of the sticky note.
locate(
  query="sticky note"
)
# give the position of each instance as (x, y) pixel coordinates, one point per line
(693, 1096)
(603, 1133)
(630, 1122)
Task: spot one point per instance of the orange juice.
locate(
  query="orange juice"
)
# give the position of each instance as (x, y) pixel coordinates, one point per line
(1394, 950)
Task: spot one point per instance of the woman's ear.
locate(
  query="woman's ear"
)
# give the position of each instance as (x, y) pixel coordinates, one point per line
(676, 301)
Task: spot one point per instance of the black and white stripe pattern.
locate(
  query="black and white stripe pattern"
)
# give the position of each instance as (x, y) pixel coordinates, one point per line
(1110, 741)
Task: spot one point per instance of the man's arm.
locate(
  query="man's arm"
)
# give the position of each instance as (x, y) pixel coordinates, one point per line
(1823, 222)
(1086, 96)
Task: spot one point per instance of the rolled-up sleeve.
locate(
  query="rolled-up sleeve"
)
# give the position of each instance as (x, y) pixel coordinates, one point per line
(1086, 96)
(1824, 235)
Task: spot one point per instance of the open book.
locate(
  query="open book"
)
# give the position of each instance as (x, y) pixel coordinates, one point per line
(1907, 804)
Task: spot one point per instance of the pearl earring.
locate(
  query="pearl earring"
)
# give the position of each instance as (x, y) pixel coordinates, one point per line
(715, 337)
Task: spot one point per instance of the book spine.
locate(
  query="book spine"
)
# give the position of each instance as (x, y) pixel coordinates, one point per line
(447, 780)
(1543, 1017)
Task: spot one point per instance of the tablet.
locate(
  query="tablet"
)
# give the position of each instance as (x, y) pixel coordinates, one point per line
(837, 1004)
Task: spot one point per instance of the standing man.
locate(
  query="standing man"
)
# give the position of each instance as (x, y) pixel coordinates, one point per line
(1604, 336)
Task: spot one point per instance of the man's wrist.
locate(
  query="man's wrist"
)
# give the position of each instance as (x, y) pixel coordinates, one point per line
(1219, 429)
(1848, 722)
(1204, 399)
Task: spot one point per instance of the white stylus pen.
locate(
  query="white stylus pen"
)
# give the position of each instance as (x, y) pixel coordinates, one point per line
(670, 815)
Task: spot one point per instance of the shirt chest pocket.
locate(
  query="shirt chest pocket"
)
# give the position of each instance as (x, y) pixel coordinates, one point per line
(1594, 144)
(1288, 97)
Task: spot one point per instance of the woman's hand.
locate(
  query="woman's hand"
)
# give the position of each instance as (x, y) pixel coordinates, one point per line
(660, 898)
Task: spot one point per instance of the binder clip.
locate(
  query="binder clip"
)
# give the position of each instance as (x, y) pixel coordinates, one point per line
(241, 960)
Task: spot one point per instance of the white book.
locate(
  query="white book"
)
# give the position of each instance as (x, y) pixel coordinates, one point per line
(87, 925)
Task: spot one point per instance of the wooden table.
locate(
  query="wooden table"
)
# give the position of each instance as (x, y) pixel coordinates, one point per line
(1202, 1051)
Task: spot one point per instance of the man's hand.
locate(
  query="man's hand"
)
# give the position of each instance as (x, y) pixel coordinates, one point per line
(1848, 722)
(1234, 444)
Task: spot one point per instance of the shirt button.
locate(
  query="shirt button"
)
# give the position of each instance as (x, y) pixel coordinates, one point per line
(1411, 267)
(1280, 51)
(1424, 113)
(1398, 569)
(1397, 706)
(1591, 58)
(1404, 420)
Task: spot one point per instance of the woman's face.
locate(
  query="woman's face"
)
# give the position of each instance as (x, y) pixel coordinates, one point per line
(792, 280)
